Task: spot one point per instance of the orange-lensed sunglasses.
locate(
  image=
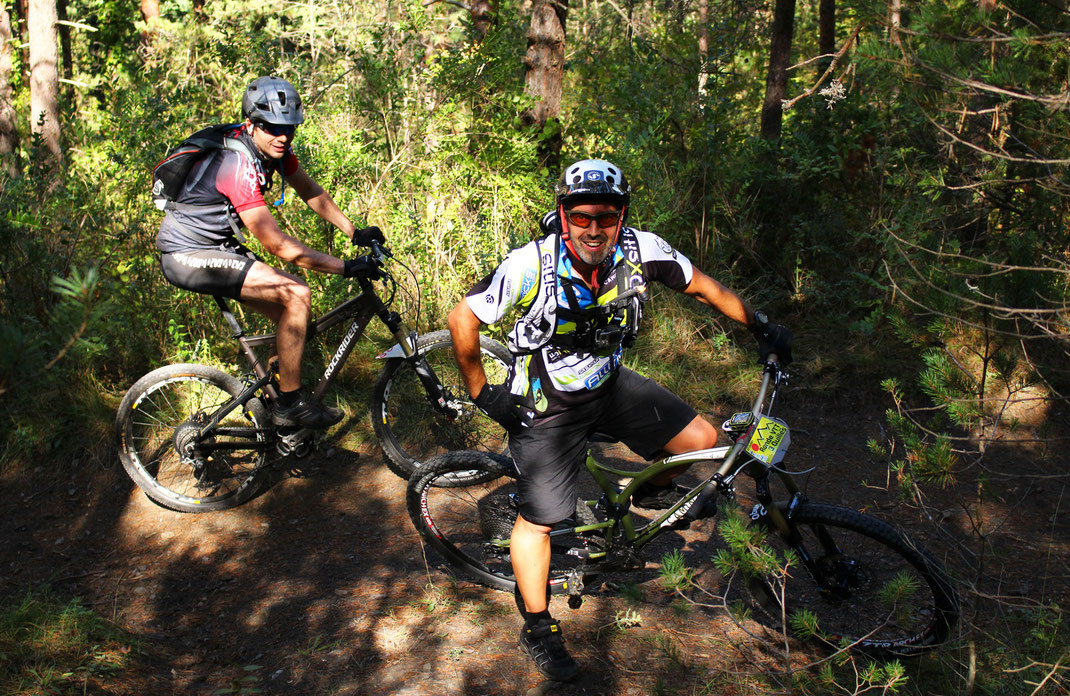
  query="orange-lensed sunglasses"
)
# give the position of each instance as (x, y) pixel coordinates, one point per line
(606, 219)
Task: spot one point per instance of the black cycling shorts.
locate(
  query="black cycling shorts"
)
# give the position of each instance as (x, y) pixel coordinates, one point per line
(550, 453)
(209, 271)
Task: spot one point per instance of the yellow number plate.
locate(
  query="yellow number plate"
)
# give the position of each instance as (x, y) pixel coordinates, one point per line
(770, 439)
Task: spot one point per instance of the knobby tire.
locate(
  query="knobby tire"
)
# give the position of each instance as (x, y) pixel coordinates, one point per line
(884, 593)
(462, 523)
(410, 430)
(161, 410)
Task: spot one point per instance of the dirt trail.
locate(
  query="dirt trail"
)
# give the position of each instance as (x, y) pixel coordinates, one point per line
(321, 585)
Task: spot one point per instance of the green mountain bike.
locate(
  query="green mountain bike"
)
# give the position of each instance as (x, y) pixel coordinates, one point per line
(852, 579)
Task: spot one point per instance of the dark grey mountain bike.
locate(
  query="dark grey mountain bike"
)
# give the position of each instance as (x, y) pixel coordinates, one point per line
(197, 439)
(851, 579)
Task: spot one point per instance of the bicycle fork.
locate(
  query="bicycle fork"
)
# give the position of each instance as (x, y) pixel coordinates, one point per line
(778, 519)
(437, 395)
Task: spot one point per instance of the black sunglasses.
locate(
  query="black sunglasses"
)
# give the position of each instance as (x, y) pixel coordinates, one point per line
(607, 219)
(276, 130)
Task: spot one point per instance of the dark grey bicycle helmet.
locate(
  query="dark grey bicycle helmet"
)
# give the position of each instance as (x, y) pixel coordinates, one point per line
(593, 179)
(272, 100)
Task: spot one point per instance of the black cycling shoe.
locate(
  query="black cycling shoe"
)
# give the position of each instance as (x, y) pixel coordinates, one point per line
(653, 497)
(307, 414)
(543, 642)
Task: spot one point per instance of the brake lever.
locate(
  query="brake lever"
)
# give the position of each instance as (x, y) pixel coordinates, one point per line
(379, 250)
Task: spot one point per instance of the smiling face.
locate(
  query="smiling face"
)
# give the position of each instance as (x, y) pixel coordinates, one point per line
(595, 242)
(271, 140)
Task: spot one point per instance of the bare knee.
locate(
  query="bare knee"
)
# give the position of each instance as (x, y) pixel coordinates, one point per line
(698, 435)
(297, 297)
(525, 528)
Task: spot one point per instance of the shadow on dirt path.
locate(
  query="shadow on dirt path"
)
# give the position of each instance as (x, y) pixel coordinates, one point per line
(322, 586)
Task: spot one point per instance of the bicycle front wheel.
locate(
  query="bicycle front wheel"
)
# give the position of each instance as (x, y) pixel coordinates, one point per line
(411, 430)
(866, 584)
(470, 526)
(156, 425)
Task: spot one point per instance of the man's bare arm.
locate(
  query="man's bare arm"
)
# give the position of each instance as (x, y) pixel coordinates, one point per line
(464, 331)
(262, 225)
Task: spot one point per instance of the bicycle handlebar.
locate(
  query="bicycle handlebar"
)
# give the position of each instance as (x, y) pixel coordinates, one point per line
(772, 374)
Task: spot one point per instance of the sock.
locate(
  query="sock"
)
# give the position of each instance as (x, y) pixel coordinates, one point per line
(287, 399)
(533, 620)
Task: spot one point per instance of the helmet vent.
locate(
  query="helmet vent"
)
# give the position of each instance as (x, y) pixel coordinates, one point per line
(282, 98)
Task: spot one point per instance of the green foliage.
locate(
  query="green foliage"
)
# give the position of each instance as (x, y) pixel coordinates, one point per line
(675, 574)
(51, 647)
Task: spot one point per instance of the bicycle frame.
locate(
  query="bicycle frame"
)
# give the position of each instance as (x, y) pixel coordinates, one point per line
(360, 308)
(618, 501)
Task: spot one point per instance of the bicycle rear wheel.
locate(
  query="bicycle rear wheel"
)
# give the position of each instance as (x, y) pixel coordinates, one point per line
(156, 424)
(868, 585)
(410, 430)
(470, 525)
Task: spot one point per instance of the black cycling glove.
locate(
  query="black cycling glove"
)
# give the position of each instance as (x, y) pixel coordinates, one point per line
(495, 401)
(362, 266)
(365, 237)
(772, 338)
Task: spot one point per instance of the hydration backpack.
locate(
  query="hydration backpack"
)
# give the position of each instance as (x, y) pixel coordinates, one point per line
(170, 174)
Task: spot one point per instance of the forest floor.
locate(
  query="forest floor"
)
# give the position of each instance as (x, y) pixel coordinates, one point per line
(321, 585)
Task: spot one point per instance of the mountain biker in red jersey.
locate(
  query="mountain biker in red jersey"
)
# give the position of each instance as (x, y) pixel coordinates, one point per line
(579, 290)
(202, 248)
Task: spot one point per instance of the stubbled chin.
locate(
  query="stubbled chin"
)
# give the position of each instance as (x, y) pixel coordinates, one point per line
(594, 257)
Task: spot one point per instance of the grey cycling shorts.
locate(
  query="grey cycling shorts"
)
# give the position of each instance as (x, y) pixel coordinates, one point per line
(550, 453)
(209, 271)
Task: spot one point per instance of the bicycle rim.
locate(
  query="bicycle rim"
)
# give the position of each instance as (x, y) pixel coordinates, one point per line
(871, 586)
(410, 430)
(162, 419)
(470, 526)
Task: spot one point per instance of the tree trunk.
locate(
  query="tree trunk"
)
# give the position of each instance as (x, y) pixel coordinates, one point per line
(895, 20)
(150, 12)
(826, 33)
(9, 134)
(703, 45)
(544, 64)
(67, 62)
(44, 78)
(776, 82)
(482, 12)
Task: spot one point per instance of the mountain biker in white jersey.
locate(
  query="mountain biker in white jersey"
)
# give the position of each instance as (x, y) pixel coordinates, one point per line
(580, 290)
(202, 249)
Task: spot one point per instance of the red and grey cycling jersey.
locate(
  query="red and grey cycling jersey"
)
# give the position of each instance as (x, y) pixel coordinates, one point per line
(545, 376)
(221, 185)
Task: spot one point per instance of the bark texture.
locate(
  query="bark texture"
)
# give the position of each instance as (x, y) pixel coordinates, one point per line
(544, 63)
(826, 33)
(9, 134)
(44, 75)
(482, 12)
(776, 81)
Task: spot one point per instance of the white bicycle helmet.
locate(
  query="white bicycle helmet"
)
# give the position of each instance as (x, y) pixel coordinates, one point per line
(593, 179)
